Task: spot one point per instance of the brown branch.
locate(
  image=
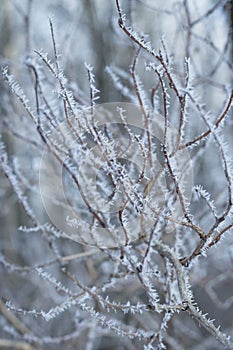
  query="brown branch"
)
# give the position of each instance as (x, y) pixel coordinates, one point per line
(46, 142)
(13, 319)
(16, 345)
(216, 124)
(141, 102)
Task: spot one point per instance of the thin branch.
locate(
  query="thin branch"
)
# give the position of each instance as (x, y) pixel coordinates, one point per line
(217, 123)
(16, 345)
(18, 324)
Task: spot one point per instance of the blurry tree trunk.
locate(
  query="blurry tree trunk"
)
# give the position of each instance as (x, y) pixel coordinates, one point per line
(102, 45)
(5, 29)
(98, 44)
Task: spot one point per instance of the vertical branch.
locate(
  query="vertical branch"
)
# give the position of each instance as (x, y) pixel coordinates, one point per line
(54, 44)
(141, 104)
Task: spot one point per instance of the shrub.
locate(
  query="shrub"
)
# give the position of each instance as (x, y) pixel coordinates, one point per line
(125, 204)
